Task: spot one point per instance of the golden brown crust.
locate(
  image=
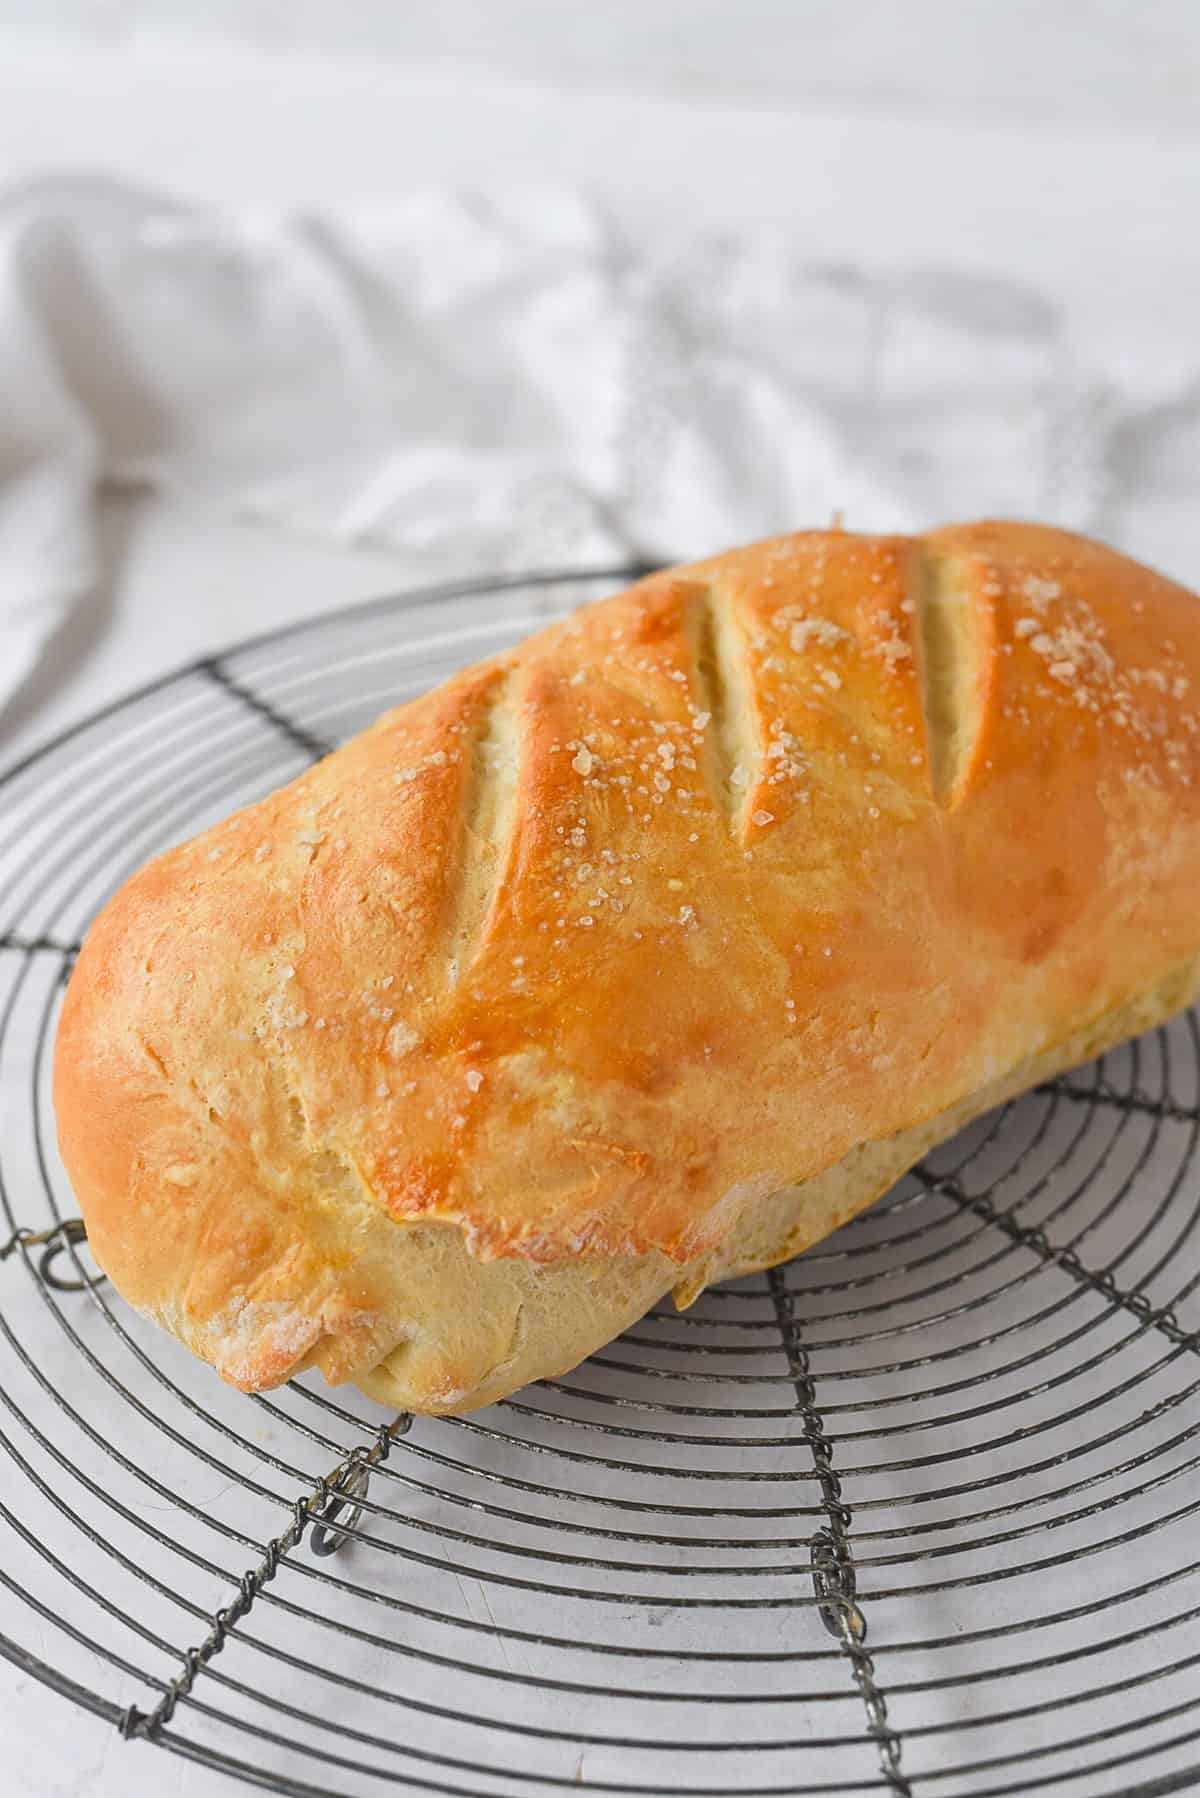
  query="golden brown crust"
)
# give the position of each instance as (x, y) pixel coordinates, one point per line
(576, 961)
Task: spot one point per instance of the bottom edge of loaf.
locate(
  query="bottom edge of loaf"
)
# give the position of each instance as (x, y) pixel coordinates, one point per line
(556, 1316)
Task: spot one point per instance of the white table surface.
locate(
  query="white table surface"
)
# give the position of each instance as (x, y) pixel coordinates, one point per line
(1103, 217)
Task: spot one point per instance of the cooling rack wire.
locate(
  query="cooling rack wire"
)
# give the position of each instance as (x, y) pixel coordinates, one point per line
(914, 1514)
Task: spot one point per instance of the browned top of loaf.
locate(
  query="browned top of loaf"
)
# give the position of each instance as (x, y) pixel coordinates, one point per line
(682, 898)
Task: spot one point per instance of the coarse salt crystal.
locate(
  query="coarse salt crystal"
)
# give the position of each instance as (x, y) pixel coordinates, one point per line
(763, 818)
(895, 649)
(474, 1079)
(820, 630)
(401, 1038)
(583, 761)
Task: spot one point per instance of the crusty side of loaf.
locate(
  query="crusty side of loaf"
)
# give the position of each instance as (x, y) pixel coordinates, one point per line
(643, 955)
(560, 1315)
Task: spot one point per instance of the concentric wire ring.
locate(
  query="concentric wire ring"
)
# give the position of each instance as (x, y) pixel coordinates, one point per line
(915, 1514)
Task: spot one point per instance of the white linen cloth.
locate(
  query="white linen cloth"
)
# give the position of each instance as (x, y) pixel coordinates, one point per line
(505, 383)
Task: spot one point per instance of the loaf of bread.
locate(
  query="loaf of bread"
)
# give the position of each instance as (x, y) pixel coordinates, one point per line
(641, 956)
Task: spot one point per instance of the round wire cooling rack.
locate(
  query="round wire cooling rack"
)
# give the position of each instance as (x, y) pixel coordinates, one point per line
(914, 1514)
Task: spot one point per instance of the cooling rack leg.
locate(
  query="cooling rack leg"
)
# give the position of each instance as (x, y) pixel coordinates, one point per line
(1161, 1318)
(68, 1234)
(832, 1555)
(325, 1499)
(313, 747)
